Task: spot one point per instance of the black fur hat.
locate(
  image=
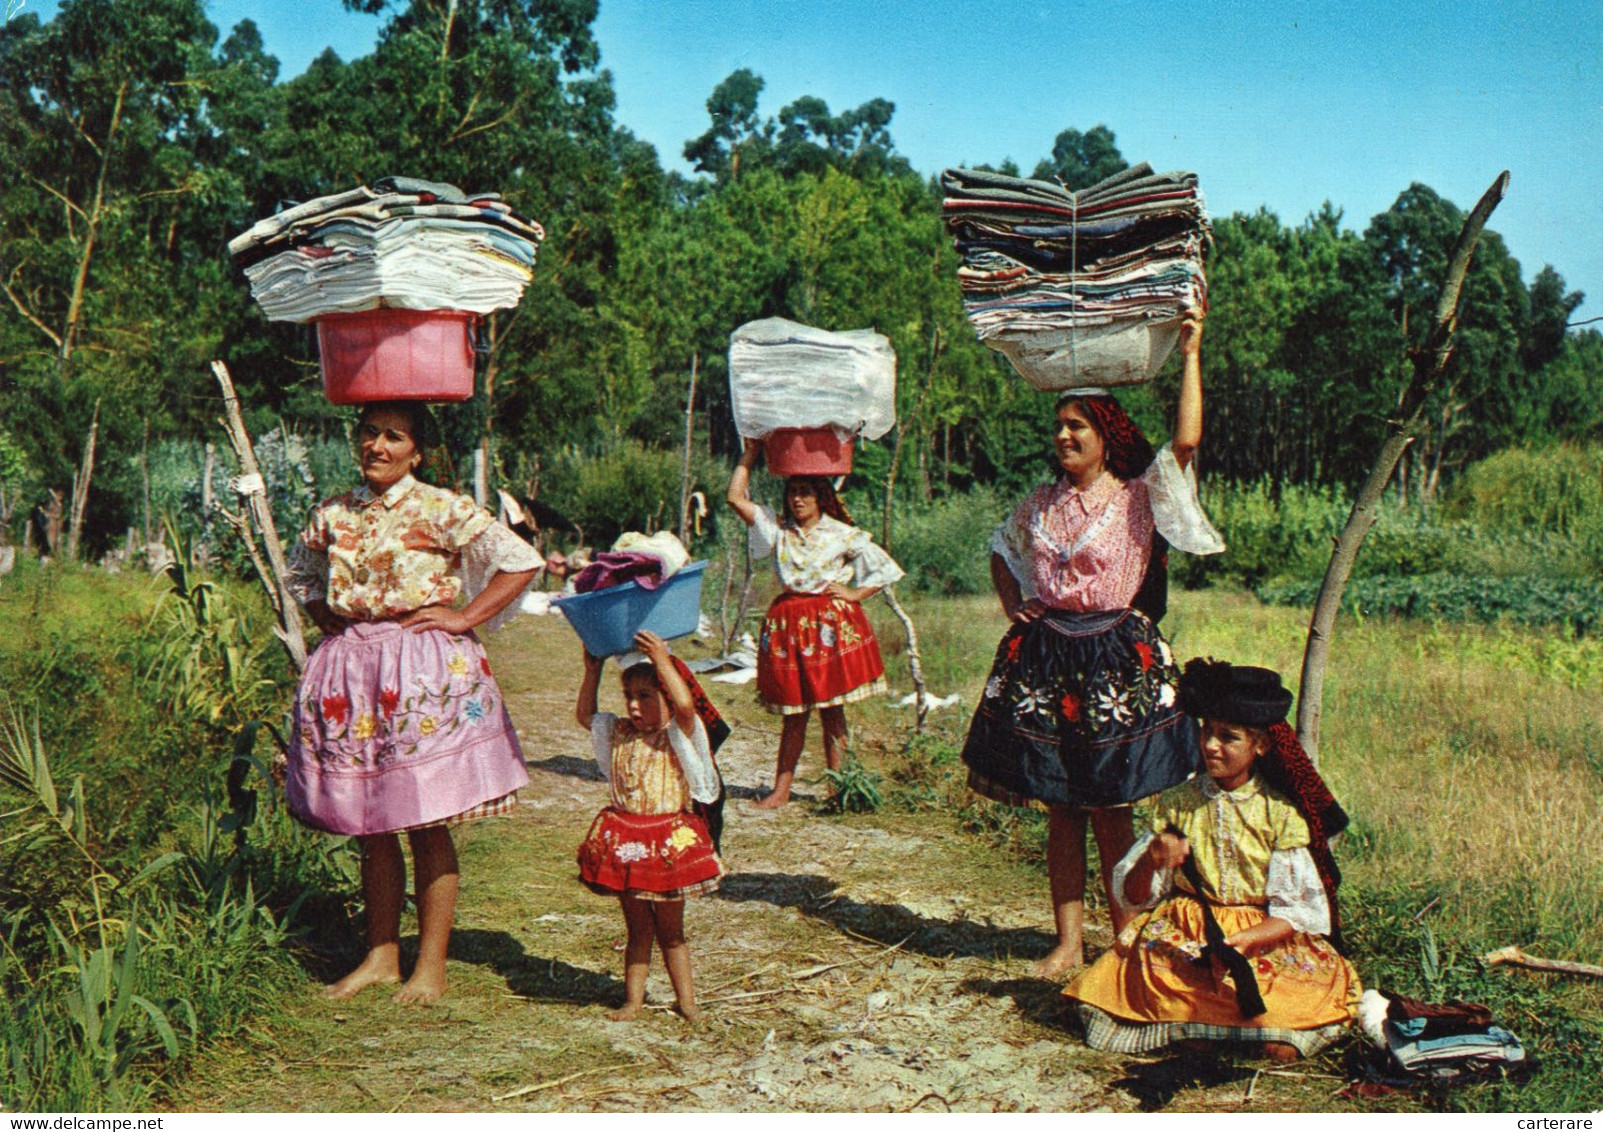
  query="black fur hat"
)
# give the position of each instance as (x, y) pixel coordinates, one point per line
(1233, 693)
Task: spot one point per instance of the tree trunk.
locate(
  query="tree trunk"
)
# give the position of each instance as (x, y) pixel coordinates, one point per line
(80, 283)
(80, 487)
(684, 469)
(1430, 362)
(914, 662)
(253, 494)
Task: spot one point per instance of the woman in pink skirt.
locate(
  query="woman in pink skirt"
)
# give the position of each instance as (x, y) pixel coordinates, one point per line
(399, 725)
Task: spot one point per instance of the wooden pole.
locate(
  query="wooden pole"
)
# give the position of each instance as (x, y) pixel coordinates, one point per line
(1515, 957)
(914, 662)
(684, 471)
(1430, 362)
(252, 491)
(80, 487)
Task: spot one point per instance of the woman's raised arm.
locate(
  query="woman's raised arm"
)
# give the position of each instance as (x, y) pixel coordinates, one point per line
(1188, 420)
(740, 484)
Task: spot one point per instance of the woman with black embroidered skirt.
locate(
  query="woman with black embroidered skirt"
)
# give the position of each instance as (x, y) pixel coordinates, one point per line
(1081, 711)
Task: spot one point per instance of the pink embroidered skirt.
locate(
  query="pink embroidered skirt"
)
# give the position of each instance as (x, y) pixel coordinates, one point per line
(395, 730)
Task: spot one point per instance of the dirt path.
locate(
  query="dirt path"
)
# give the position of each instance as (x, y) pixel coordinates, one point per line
(875, 963)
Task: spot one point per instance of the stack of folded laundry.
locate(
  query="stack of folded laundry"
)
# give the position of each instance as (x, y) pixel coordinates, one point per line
(1083, 288)
(1438, 1041)
(399, 243)
(809, 393)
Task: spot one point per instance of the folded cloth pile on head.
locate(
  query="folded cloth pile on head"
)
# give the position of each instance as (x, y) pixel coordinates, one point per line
(1081, 288)
(401, 242)
(784, 374)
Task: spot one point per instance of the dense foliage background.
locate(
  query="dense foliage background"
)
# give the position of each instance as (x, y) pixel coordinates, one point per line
(144, 138)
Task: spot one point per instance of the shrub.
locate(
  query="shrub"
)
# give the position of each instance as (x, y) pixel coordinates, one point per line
(1576, 605)
(1556, 490)
(627, 486)
(944, 545)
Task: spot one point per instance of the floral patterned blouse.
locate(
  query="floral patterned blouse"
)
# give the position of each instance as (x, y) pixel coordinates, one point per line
(1086, 551)
(1250, 845)
(659, 773)
(833, 551)
(374, 557)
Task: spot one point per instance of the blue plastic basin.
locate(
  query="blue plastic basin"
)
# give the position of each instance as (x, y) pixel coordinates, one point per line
(607, 620)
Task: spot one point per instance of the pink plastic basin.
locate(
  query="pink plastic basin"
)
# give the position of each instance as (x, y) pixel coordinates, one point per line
(396, 355)
(808, 452)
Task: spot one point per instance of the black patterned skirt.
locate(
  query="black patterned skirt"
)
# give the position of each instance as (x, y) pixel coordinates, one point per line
(1081, 709)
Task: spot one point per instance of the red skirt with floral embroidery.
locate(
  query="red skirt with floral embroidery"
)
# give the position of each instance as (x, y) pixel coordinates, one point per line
(649, 856)
(816, 651)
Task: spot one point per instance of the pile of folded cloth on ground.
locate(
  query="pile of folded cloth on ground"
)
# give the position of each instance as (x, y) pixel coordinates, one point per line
(1437, 1042)
(1081, 288)
(401, 242)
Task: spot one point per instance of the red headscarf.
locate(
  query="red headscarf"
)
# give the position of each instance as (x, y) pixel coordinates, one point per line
(1125, 449)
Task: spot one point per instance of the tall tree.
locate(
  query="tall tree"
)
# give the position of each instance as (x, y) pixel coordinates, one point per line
(1081, 160)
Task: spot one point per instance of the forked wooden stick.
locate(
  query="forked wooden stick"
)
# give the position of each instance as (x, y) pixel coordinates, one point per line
(1514, 957)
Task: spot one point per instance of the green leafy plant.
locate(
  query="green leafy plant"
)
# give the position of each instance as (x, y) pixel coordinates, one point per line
(853, 788)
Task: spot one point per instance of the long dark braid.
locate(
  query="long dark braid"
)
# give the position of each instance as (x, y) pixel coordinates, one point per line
(1287, 767)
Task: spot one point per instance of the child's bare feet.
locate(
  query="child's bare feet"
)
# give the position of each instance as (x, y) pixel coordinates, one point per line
(1281, 1051)
(1060, 960)
(374, 970)
(691, 1013)
(421, 989)
(772, 801)
(628, 1012)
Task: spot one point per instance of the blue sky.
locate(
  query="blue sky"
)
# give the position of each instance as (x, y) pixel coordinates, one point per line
(1276, 105)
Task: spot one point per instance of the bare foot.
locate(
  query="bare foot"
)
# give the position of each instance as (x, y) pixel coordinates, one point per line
(372, 972)
(1060, 960)
(772, 802)
(691, 1013)
(628, 1012)
(421, 989)
(1280, 1051)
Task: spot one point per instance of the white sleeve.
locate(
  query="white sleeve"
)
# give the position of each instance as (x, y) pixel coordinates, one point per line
(695, 759)
(601, 726)
(497, 550)
(764, 535)
(871, 566)
(1296, 894)
(1010, 542)
(1176, 510)
(1162, 879)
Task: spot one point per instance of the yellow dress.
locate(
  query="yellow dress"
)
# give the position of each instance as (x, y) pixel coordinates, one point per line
(1154, 987)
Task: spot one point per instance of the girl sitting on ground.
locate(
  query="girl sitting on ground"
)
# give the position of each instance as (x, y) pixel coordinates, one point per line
(648, 847)
(1236, 880)
(817, 649)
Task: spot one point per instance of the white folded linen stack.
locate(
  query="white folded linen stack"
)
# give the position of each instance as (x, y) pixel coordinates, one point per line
(783, 374)
(401, 243)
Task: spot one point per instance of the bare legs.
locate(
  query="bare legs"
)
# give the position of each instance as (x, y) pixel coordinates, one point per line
(1065, 870)
(384, 890)
(662, 922)
(792, 738)
(435, 872)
